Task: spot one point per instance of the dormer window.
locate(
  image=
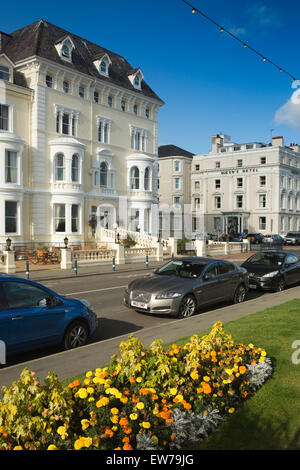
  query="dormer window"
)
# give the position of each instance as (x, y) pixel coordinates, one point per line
(64, 48)
(4, 73)
(103, 67)
(65, 51)
(102, 63)
(136, 78)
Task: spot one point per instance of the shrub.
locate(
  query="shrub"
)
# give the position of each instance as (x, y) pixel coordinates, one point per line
(144, 399)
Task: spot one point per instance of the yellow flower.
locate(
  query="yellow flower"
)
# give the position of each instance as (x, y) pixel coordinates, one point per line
(114, 419)
(146, 424)
(123, 399)
(231, 410)
(139, 379)
(206, 378)
(263, 353)
(102, 402)
(90, 390)
(261, 359)
(89, 374)
(114, 428)
(114, 411)
(88, 442)
(140, 405)
(85, 424)
(52, 447)
(179, 397)
(173, 391)
(62, 431)
(194, 375)
(251, 345)
(79, 443)
(133, 416)
(82, 393)
(18, 448)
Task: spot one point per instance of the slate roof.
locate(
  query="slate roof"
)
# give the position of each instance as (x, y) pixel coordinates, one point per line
(39, 38)
(173, 151)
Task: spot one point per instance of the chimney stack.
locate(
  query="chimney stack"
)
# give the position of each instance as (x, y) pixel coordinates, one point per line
(278, 141)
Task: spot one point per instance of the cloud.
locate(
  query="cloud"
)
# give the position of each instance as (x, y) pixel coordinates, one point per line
(289, 113)
(264, 15)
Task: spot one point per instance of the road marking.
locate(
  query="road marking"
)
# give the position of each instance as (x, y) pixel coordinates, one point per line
(94, 290)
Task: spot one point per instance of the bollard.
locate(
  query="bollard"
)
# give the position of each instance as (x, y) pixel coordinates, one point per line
(27, 269)
(75, 267)
(147, 261)
(114, 263)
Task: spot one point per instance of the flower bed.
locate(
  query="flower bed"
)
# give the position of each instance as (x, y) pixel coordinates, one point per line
(146, 399)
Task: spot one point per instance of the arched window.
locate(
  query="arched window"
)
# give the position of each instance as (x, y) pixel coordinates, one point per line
(103, 174)
(65, 51)
(103, 67)
(147, 179)
(75, 169)
(59, 167)
(135, 178)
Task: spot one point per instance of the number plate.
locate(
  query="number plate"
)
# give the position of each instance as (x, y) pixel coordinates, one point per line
(138, 304)
(252, 286)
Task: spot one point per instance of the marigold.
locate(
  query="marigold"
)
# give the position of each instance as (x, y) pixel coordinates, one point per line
(140, 405)
(242, 369)
(114, 411)
(123, 422)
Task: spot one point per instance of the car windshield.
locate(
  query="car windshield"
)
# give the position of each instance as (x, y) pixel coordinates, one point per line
(269, 259)
(181, 269)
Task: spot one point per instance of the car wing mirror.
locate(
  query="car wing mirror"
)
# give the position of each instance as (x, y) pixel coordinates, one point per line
(208, 276)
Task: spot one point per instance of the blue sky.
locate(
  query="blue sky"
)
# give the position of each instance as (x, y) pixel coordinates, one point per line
(209, 83)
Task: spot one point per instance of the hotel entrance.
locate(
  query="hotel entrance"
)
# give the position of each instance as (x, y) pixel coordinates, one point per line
(234, 223)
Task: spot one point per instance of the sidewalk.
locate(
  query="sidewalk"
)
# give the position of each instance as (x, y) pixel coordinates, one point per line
(52, 271)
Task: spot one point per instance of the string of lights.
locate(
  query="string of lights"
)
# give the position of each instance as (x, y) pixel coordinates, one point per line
(245, 45)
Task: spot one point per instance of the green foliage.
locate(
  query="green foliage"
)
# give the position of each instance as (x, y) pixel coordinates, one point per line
(128, 242)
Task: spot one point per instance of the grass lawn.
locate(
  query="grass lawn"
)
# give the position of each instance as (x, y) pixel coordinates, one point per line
(270, 419)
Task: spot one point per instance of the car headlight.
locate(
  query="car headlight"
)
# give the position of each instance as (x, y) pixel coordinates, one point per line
(168, 295)
(86, 303)
(272, 274)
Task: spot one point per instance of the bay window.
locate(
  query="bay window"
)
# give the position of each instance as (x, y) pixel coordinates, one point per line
(11, 167)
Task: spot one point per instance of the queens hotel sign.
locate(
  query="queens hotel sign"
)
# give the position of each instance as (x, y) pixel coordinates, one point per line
(235, 172)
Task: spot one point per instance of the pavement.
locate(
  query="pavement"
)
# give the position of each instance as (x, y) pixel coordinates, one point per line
(67, 364)
(49, 272)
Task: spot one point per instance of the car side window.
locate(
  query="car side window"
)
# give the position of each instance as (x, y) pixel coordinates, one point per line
(213, 270)
(3, 304)
(291, 259)
(22, 295)
(225, 268)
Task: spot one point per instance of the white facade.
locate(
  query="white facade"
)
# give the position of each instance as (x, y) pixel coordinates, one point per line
(73, 144)
(247, 187)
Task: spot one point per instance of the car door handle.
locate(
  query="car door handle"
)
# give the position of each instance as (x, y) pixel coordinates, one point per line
(18, 317)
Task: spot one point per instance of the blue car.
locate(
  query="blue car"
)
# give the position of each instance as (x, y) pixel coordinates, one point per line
(33, 316)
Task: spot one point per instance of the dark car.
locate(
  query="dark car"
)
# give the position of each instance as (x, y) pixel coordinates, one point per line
(255, 238)
(182, 285)
(273, 239)
(272, 270)
(33, 316)
(292, 238)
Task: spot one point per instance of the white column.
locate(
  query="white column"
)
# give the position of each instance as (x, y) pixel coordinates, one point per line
(200, 246)
(66, 258)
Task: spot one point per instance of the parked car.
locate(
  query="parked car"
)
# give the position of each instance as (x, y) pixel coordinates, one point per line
(33, 316)
(273, 239)
(237, 237)
(292, 238)
(272, 270)
(181, 286)
(255, 238)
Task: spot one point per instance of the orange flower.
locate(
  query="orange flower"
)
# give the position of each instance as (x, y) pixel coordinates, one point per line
(76, 383)
(127, 447)
(132, 380)
(123, 422)
(154, 397)
(109, 432)
(127, 429)
(126, 439)
(186, 405)
(143, 391)
(206, 388)
(242, 369)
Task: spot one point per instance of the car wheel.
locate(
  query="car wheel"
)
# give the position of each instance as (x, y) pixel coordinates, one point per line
(187, 307)
(280, 286)
(76, 335)
(240, 294)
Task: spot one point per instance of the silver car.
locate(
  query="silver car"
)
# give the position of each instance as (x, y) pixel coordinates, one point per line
(181, 286)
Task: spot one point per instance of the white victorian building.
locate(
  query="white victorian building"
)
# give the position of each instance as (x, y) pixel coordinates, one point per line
(251, 187)
(78, 138)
